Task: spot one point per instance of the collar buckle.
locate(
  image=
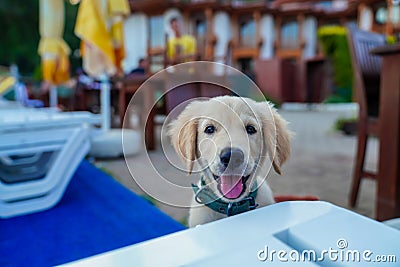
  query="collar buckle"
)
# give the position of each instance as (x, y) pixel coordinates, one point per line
(229, 210)
(252, 205)
(252, 202)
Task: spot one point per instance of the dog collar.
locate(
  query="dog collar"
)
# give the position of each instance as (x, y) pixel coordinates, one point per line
(215, 203)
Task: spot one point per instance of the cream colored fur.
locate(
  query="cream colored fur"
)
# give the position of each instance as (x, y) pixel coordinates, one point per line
(269, 146)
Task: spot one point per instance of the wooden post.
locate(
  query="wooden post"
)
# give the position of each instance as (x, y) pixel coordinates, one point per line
(210, 38)
(278, 34)
(235, 37)
(257, 21)
(235, 30)
(388, 189)
(389, 23)
(149, 57)
(300, 22)
(186, 20)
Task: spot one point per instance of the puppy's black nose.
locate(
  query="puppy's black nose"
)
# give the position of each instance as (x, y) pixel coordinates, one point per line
(234, 156)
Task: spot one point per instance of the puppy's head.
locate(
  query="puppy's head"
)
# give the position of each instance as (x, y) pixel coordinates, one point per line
(230, 137)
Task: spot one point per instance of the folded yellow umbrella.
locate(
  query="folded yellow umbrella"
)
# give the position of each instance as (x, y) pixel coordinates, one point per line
(52, 48)
(118, 9)
(99, 26)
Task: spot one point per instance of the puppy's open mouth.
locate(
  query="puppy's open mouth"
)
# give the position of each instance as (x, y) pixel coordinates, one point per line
(231, 186)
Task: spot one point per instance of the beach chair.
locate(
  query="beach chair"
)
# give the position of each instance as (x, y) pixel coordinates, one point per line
(40, 150)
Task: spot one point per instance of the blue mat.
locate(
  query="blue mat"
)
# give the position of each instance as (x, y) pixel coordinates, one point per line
(95, 215)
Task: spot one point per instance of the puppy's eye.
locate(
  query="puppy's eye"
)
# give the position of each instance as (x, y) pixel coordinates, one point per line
(210, 129)
(250, 129)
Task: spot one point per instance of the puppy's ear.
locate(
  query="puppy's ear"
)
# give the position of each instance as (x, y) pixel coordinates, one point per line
(183, 133)
(276, 136)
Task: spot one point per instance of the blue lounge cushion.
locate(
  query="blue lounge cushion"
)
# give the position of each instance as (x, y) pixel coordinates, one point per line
(95, 215)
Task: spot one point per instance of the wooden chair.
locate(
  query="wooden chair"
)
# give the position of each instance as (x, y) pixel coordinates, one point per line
(129, 86)
(366, 71)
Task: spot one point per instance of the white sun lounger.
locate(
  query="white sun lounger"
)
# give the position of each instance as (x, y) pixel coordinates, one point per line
(40, 150)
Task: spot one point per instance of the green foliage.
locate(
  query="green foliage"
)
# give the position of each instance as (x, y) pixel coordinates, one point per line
(391, 39)
(37, 73)
(19, 21)
(184, 221)
(105, 170)
(69, 36)
(335, 46)
(150, 199)
(348, 126)
(340, 95)
(340, 122)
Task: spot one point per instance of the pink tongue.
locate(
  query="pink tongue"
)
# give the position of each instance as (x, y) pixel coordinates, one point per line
(231, 186)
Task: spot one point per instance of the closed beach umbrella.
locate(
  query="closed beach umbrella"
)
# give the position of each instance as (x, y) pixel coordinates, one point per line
(99, 25)
(53, 49)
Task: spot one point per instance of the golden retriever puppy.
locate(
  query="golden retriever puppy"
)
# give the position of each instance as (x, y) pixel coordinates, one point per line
(234, 141)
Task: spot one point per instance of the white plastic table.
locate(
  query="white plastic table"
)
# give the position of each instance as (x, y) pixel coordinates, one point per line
(295, 233)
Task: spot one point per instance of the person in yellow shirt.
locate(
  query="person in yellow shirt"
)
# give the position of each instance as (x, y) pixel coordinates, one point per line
(181, 48)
